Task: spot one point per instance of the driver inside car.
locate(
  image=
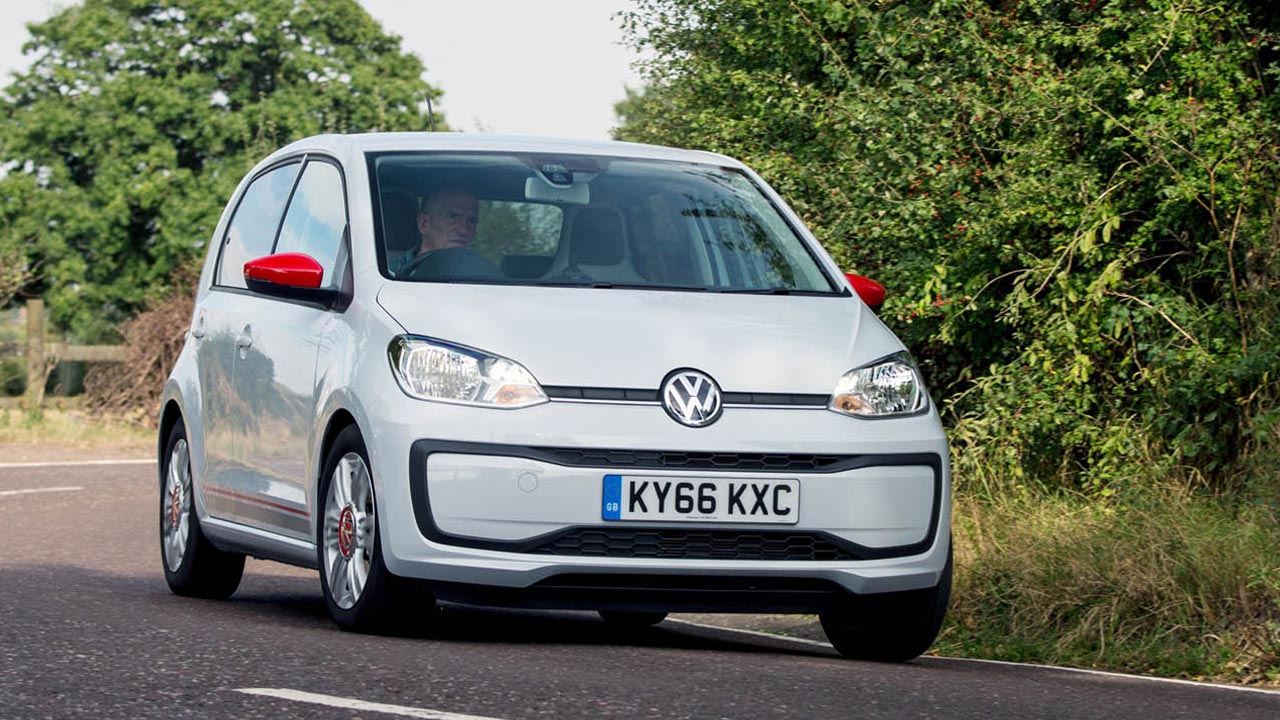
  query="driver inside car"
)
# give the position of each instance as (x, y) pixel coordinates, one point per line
(447, 224)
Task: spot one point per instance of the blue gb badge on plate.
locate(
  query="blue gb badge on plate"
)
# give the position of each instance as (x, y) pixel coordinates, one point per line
(612, 499)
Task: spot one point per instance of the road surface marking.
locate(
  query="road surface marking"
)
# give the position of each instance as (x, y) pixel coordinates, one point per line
(70, 463)
(38, 490)
(1122, 676)
(1085, 671)
(348, 703)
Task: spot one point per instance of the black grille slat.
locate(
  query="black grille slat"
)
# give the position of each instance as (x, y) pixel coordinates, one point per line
(661, 459)
(747, 398)
(647, 395)
(566, 392)
(694, 545)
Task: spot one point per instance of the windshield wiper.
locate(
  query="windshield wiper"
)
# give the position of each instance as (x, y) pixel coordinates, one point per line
(783, 291)
(760, 291)
(638, 286)
(623, 286)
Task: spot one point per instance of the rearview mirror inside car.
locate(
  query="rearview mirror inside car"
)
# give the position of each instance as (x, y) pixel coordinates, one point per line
(541, 190)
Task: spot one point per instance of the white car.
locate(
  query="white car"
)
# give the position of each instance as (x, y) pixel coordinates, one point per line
(541, 373)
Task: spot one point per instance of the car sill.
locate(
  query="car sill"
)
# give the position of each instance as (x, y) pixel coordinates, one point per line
(259, 543)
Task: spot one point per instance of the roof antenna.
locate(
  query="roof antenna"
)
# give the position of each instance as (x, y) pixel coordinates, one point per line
(431, 115)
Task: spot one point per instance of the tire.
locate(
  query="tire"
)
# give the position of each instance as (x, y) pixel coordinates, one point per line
(359, 592)
(889, 627)
(192, 565)
(631, 619)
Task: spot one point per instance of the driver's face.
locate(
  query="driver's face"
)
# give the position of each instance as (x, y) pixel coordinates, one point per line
(449, 220)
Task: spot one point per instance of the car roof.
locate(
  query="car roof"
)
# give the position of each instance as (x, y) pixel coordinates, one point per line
(485, 142)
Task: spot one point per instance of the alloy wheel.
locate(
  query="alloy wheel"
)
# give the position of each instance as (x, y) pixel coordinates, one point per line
(349, 527)
(176, 508)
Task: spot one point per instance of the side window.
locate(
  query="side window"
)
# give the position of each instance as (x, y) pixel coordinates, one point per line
(316, 218)
(253, 227)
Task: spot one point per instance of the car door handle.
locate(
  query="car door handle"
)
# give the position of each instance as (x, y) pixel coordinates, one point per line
(244, 339)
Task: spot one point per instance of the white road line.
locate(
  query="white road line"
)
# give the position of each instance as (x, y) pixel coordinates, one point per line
(38, 490)
(348, 703)
(72, 463)
(1122, 676)
(1084, 671)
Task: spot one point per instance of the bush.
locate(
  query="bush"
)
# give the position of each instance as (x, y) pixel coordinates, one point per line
(131, 389)
(13, 376)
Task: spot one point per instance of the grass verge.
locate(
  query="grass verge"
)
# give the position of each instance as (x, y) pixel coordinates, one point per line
(74, 431)
(1164, 583)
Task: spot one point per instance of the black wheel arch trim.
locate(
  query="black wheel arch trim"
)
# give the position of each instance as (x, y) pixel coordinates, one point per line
(420, 498)
(170, 415)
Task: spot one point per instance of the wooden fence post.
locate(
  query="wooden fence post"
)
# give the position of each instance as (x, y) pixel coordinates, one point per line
(35, 353)
(44, 354)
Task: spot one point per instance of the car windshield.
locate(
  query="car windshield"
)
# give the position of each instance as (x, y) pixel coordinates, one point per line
(576, 220)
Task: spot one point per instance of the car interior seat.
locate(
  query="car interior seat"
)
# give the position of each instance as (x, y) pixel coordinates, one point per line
(596, 247)
(399, 228)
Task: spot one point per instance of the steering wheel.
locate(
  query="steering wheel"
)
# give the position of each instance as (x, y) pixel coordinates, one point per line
(450, 264)
(408, 269)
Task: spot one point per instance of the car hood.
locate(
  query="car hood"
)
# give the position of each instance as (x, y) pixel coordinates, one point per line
(620, 338)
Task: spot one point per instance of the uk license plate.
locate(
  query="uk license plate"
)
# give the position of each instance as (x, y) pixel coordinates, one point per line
(667, 499)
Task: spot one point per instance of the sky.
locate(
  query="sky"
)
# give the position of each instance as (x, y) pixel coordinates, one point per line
(527, 67)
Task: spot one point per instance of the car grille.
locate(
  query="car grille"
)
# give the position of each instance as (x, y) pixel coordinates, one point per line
(695, 545)
(651, 396)
(779, 462)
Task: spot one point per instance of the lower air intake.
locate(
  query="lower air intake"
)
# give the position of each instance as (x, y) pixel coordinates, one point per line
(695, 545)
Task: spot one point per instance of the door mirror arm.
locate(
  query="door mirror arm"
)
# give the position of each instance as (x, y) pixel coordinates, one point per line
(325, 296)
(293, 276)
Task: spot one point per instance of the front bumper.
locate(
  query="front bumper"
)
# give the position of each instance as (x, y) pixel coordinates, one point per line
(540, 500)
(521, 511)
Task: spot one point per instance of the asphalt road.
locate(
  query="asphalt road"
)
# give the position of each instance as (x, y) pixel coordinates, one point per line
(88, 629)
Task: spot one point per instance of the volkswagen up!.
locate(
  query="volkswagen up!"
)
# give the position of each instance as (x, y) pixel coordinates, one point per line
(478, 369)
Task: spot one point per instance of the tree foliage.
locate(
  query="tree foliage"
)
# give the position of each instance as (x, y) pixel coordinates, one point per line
(121, 144)
(1075, 205)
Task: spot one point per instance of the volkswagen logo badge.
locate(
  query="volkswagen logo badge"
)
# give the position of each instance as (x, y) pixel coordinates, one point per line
(691, 398)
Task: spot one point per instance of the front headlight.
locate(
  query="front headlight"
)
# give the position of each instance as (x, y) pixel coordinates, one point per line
(434, 370)
(886, 388)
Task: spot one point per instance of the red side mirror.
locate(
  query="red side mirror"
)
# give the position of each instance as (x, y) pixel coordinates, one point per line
(871, 292)
(291, 270)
